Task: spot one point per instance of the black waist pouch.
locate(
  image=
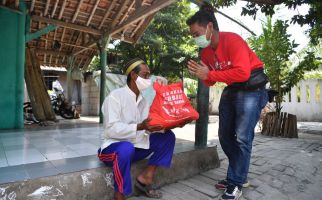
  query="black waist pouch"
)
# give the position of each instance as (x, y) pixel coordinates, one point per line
(257, 79)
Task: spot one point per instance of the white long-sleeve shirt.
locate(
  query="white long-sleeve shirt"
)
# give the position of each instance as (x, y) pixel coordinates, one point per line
(122, 112)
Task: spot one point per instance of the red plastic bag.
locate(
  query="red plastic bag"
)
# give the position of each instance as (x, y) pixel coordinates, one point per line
(170, 106)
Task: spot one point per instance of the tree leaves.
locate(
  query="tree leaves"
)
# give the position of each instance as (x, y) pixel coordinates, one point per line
(166, 44)
(275, 49)
(313, 18)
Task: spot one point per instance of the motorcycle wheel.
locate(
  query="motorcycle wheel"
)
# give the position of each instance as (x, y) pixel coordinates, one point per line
(56, 109)
(67, 114)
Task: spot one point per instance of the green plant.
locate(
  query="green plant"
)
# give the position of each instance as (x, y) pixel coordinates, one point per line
(190, 86)
(94, 65)
(275, 48)
(166, 45)
(313, 75)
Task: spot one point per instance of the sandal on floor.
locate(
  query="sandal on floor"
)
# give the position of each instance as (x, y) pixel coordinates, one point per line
(148, 190)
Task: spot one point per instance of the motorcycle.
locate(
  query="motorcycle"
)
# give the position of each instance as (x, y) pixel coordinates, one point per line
(61, 106)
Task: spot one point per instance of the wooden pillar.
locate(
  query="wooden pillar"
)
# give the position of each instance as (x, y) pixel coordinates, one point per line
(70, 63)
(201, 129)
(103, 57)
(102, 46)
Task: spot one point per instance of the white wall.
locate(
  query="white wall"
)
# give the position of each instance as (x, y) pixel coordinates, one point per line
(63, 80)
(214, 98)
(308, 109)
(305, 110)
(90, 97)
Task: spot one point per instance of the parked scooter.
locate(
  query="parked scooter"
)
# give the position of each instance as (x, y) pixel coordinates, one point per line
(61, 106)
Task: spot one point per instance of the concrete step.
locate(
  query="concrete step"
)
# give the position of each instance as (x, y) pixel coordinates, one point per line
(97, 183)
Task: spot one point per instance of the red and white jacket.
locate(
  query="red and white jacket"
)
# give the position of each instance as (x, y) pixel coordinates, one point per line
(232, 61)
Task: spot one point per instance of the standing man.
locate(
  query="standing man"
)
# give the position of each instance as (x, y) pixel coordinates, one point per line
(129, 137)
(226, 57)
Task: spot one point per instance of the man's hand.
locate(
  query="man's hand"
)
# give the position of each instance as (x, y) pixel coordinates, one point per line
(200, 70)
(180, 125)
(184, 123)
(146, 126)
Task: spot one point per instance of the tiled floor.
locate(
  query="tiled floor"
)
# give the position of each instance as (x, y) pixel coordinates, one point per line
(32, 153)
(72, 146)
(31, 146)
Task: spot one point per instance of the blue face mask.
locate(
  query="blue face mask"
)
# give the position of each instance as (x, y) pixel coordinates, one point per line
(201, 41)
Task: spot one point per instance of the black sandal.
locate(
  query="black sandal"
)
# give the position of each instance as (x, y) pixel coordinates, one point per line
(148, 190)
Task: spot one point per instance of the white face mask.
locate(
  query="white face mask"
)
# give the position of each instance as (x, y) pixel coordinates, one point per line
(202, 41)
(142, 83)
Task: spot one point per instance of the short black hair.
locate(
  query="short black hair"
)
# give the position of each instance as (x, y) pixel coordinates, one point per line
(136, 70)
(204, 16)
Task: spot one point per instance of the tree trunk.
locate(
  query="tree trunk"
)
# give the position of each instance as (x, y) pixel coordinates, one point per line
(39, 98)
(280, 125)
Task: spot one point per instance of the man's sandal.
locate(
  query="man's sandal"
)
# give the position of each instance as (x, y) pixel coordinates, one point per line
(148, 190)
